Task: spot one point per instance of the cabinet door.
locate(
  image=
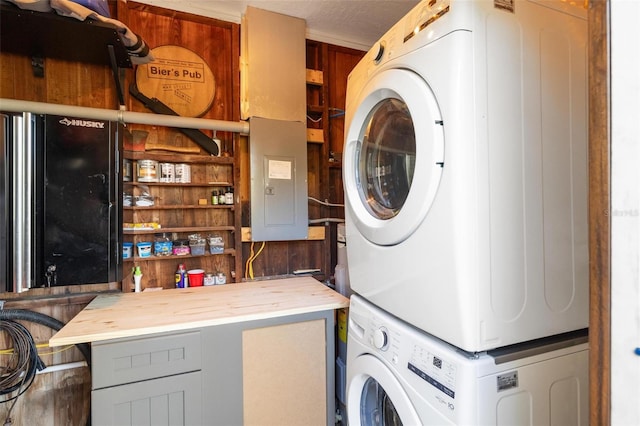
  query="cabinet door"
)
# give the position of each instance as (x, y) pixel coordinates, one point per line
(78, 208)
(174, 400)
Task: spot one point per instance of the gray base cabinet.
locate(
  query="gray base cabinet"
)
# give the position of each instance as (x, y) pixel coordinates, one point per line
(173, 400)
(275, 371)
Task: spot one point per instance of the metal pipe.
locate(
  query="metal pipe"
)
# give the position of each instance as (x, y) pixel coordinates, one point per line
(62, 367)
(129, 117)
(21, 202)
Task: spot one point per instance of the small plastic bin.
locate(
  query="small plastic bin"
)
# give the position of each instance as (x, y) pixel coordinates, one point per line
(197, 247)
(127, 250)
(216, 245)
(144, 249)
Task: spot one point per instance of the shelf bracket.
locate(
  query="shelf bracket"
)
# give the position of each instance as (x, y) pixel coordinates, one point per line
(37, 66)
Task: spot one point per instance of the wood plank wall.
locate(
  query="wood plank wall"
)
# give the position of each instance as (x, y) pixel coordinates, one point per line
(279, 258)
(218, 44)
(63, 398)
(60, 398)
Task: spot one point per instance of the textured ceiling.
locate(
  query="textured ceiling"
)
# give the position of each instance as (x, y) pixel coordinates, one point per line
(351, 23)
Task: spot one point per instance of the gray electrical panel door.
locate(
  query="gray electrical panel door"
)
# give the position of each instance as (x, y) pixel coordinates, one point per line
(278, 151)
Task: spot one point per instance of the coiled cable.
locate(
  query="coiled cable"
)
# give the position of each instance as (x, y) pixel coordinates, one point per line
(17, 376)
(31, 361)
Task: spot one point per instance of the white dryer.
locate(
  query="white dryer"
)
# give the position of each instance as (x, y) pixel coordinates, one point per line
(397, 374)
(465, 171)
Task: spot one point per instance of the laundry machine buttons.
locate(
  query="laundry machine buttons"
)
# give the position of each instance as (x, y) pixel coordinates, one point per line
(380, 338)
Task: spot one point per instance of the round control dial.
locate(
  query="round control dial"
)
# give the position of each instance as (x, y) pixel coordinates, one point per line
(380, 339)
(378, 51)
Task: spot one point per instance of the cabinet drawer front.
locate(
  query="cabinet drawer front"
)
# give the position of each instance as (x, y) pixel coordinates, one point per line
(133, 360)
(174, 400)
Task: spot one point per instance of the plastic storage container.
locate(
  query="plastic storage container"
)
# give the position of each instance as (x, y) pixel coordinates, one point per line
(197, 246)
(127, 250)
(144, 249)
(163, 246)
(181, 247)
(216, 244)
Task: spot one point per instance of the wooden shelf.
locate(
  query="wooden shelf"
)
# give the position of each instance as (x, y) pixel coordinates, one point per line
(49, 35)
(315, 136)
(177, 158)
(182, 207)
(183, 230)
(313, 233)
(178, 210)
(315, 77)
(136, 258)
(178, 184)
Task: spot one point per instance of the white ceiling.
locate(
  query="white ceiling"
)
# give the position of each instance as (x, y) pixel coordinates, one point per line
(351, 23)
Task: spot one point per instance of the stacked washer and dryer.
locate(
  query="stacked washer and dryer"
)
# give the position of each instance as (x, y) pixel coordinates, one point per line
(465, 176)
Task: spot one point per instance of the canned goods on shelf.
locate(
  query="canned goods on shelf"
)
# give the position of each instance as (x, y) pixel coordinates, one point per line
(147, 171)
(127, 172)
(183, 173)
(209, 279)
(167, 172)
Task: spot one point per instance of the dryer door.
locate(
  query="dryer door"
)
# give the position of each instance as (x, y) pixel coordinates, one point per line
(375, 397)
(393, 156)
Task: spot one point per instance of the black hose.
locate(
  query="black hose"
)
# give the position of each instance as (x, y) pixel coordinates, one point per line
(18, 376)
(46, 320)
(52, 323)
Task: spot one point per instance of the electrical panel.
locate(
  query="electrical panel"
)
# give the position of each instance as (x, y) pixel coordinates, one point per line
(278, 153)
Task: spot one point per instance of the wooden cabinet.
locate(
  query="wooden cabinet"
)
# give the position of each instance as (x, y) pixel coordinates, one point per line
(163, 213)
(277, 371)
(169, 400)
(153, 380)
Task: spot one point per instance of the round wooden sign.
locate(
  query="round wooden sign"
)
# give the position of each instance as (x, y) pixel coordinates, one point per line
(179, 78)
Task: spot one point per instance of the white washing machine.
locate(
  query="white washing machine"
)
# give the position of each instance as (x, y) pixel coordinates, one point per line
(397, 374)
(465, 171)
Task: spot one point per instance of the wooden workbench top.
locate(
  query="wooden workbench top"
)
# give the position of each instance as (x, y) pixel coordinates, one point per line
(134, 314)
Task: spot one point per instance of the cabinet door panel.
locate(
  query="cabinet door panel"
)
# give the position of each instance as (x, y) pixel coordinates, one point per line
(174, 400)
(127, 360)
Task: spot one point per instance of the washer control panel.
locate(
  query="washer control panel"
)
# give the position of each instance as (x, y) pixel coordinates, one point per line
(427, 364)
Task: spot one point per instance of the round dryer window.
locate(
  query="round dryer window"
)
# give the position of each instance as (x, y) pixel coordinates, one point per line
(375, 397)
(393, 156)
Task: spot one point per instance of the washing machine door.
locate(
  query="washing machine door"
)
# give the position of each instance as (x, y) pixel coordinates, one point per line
(393, 156)
(375, 397)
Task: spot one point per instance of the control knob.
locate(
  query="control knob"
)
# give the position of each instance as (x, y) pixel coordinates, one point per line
(380, 339)
(378, 51)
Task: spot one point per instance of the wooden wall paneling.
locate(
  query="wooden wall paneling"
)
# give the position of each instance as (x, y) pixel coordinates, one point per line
(8, 80)
(324, 176)
(211, 39)
(599, 219)
(325, 264)
(64, 83)
(217, 43)
(58, 398)
(341, 61)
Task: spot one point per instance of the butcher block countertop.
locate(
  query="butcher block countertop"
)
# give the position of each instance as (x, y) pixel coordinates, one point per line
(120, 315)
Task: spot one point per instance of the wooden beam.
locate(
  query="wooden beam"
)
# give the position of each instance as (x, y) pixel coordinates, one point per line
(314, 233)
